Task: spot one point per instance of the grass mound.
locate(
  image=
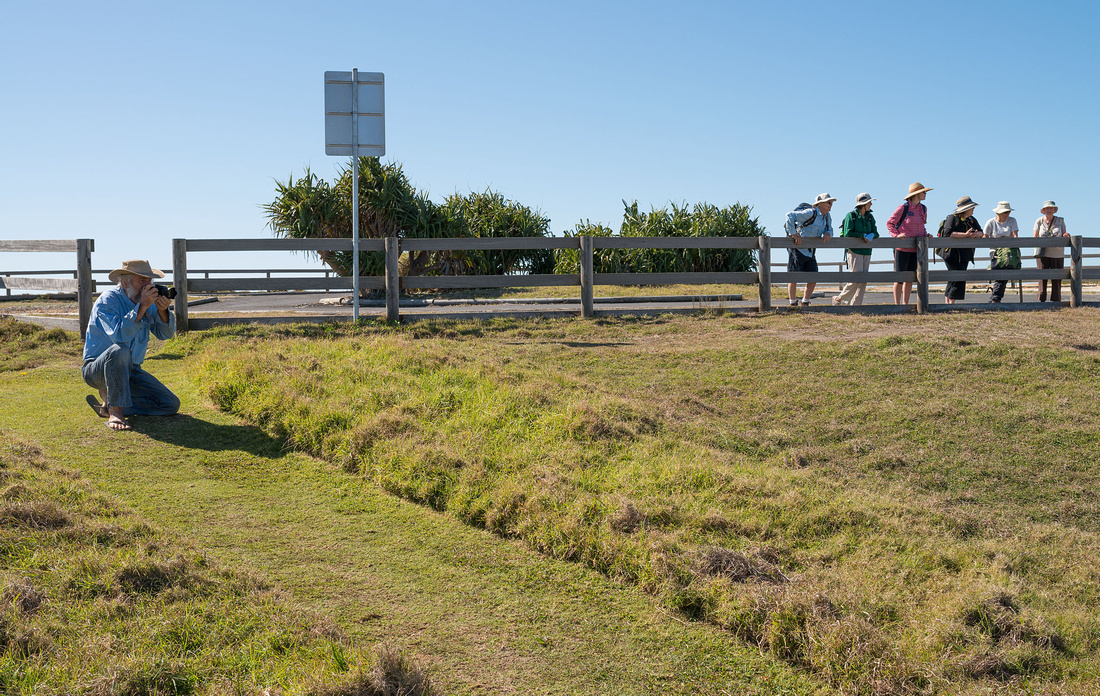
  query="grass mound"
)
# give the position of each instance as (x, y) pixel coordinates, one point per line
(94, 600)
(846, 492)
(27, 345)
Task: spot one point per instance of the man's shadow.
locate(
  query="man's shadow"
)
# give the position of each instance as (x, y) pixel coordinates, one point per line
(187, 431)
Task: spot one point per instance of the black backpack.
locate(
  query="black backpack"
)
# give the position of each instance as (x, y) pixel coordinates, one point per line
(905, 212)
(942, 252)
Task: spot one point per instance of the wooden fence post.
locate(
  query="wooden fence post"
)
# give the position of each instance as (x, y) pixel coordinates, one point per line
(1075, 278)
(922, 275)
(587, 276)
(85, 285)
(179, 281)
(764, 270)
(393, 280)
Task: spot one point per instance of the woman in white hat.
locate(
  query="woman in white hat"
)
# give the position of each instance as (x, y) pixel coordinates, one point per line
(1000, 226)
(960, 225)
(1050, 225)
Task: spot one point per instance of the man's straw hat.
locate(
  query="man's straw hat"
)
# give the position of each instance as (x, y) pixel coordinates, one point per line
(135, 267)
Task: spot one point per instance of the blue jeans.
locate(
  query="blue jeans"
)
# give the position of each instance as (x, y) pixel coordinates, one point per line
(128, 386)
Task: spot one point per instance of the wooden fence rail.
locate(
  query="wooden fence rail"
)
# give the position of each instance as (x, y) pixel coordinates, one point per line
(587, 279)
(82, 285)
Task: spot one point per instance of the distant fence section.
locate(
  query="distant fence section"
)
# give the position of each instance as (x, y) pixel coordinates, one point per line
(82, 284)
(393, 283)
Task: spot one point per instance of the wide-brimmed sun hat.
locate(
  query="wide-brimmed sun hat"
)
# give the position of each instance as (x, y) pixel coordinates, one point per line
(1003, 207)
(964, 204)
(1049, 204)
(823, 198)
(863, 199)
(135, 267)
(915, 188)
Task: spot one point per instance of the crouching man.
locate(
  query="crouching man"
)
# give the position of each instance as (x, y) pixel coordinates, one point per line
(117, 338)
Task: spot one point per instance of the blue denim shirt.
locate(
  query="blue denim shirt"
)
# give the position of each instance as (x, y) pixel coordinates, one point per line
(821, 226)
(113, 321)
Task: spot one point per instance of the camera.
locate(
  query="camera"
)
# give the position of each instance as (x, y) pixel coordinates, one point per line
(165, 291)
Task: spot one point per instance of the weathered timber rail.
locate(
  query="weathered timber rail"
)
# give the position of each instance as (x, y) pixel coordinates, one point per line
(392, 283)
(82, 285)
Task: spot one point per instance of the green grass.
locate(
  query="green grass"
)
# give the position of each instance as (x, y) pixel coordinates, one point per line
(95, 600)
(480, 614)
(898, 505)
(27, 346)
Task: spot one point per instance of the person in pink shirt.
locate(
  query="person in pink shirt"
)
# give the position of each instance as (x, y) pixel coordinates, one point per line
(909, 221)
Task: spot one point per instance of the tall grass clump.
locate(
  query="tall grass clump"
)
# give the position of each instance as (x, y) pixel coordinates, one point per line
(27, 345)
(899, 505)
(94, 600)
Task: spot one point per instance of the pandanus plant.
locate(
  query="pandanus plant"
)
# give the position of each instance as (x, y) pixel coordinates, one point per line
(702, 220)
(389, 206)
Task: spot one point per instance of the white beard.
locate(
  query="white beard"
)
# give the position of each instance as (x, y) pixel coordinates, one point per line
(132, 293)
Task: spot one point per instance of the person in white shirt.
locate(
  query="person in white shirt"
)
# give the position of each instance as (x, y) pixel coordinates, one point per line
(1050, 225)
(1000, 226)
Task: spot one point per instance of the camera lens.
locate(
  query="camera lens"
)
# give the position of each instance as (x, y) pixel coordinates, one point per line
(163, 291)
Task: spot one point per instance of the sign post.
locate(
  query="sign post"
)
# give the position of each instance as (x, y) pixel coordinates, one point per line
(355, 125)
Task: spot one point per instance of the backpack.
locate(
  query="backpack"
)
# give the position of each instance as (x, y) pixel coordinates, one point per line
(793, 228)
(941, 252)
(905, 212)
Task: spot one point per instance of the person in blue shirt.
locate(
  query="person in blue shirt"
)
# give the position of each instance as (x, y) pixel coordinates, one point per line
(807, 223)
(115, 345)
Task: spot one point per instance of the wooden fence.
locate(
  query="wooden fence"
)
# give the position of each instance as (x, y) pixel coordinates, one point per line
(587, 279)
(82, 285)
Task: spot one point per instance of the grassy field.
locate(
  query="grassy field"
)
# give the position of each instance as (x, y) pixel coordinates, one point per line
(481, 614)
(95, 600)
(896, 505)
(884, 505)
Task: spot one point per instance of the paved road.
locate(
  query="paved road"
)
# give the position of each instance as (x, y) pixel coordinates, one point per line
(324, 305)
(317, 306)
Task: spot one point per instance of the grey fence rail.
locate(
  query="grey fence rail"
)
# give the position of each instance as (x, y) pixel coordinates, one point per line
(82, 284)
(392, 283)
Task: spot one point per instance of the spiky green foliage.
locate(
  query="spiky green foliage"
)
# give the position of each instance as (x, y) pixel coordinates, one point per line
(489, 214)
(701, 220)
(390, 206)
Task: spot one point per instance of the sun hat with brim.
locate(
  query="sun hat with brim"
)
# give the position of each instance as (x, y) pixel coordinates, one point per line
(964, 204)
(1003, 207)
(1049, 204)
(915, 188)
(823, 198)
(863, 199)
(135, 267)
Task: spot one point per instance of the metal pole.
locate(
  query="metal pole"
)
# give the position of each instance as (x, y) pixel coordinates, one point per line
(355, 194)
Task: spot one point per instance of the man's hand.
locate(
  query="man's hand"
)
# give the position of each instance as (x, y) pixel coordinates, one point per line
(827, 236)
(162, 302)
(797, 239)
(148, 296)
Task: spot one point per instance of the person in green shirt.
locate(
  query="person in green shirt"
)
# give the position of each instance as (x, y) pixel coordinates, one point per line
(858, 224)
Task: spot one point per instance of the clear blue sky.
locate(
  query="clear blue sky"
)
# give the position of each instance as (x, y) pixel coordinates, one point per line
(134, 123)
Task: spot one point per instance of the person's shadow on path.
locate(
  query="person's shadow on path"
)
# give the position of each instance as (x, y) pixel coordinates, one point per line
(189, 432)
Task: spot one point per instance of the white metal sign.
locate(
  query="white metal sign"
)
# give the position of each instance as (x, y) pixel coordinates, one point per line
(355, 126)
(355, 105)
